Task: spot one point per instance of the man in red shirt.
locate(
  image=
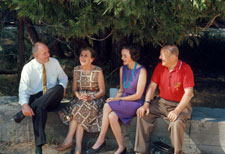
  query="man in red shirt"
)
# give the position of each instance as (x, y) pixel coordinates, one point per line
(175, 81)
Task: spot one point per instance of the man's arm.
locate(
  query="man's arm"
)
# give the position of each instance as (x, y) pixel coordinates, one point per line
(24, 94)
(188, 94)
(148, 97)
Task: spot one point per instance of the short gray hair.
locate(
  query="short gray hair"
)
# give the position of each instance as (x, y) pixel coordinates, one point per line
(34, 49)
(172, 49)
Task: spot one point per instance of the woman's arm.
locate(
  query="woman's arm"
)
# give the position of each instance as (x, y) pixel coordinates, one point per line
(140, 87)
(101, 85)
(120, 91)
(75, 92)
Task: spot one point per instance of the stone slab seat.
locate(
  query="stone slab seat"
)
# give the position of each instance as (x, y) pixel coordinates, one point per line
(205, 132)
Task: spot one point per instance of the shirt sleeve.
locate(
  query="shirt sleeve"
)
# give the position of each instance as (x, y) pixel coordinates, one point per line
(156, 74)
(62, 77)
(188, 77)
(24, 90)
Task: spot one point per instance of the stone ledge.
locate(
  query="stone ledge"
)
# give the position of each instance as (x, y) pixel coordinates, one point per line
(204, 132)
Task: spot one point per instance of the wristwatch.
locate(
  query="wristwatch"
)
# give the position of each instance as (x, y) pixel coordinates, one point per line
(147, 102)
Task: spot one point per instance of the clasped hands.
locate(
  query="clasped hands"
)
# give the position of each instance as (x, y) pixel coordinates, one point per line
(85, 97)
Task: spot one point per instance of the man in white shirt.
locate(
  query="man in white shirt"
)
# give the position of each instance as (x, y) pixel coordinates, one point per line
(36, 100)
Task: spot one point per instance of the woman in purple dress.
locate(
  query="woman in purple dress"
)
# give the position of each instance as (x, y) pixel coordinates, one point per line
(128, 99)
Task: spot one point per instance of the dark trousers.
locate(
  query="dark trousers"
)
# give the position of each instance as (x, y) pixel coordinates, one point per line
(160, 108)
(41, 104)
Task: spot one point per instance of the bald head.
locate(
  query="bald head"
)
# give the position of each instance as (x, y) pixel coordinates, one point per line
(38, 45)
(41, 52)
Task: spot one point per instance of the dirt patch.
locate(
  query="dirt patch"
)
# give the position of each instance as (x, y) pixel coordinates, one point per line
(29, 148)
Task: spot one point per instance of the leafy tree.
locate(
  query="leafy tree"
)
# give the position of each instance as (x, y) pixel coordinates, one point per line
(106, 24)
(147, 21)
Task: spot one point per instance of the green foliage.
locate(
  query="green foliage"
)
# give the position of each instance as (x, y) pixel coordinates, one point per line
(8, 85)
(157, 21)
(8, 44)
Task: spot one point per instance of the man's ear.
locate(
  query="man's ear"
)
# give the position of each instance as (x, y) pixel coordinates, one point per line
(174, 56)
(35, 55)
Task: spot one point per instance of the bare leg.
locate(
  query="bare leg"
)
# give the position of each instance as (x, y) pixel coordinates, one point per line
(104, 128)
(79, 137)
(114, 123)
(69, 138)
(72, 130)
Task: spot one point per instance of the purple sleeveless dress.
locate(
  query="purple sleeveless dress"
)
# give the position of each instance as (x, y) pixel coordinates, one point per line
(126, 110)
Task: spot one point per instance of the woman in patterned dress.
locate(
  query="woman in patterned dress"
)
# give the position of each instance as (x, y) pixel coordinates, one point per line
(129, 98)
(84, 111)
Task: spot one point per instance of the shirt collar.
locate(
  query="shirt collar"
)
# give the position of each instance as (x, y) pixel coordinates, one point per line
(37, 64)
(178, 66)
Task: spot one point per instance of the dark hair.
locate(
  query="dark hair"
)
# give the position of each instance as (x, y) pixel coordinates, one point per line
(92, 51)
(134, 52)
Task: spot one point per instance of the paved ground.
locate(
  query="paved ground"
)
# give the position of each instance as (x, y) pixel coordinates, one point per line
(28, 148)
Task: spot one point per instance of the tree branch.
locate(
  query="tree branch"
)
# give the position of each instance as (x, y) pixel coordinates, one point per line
(161, 45)
(210, 22)
(99, 39)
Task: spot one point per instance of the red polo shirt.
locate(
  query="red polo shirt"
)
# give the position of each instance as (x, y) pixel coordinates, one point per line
(172, 84)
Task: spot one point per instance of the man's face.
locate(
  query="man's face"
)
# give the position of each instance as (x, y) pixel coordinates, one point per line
(167, 58)
(42, 55)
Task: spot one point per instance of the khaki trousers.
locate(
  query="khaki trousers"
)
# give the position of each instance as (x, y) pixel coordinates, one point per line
(160, 108)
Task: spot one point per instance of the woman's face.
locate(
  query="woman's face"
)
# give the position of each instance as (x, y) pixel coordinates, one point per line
(126, 57)
(85, 58)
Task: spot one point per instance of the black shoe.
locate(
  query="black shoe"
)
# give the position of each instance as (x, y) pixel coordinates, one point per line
(18, 117)
(96, 150)
(124, 151)
(38, 150)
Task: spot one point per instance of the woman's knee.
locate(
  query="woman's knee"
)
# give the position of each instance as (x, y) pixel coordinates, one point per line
(107, 108)
(73, 122)
(113, 116)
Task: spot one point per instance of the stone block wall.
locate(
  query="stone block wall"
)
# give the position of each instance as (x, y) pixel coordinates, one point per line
(205, 132)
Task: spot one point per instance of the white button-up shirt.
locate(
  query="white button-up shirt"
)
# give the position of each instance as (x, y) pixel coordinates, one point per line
(31, 81)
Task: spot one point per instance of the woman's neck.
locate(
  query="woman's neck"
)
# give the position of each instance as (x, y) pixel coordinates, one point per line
(131, 65)
(86, 67)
